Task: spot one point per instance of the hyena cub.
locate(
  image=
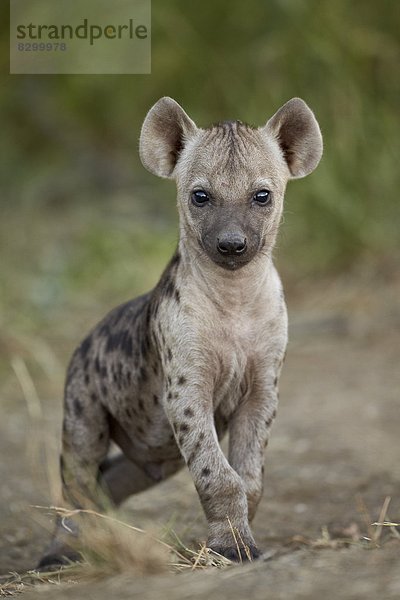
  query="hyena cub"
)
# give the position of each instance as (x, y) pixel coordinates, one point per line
(164, 376)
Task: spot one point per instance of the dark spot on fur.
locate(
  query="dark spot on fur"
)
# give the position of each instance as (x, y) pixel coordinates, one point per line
(155, 399)
(148, 420)
(205, 472)
(120, 340)
(181, 439)
(101, 436)
(138, 310)
(140, 430)
(97, 365)
(175, 260)
(262, 469)
(177, 296)
(201, 436)
(87, 379)
(169, 288)
(143, 374)
(169, 380)
(268, 421)
(181, 380)
(169, 354)
(162, 339)
(148, 317)
(176, 395)
(154, 308)
(169, 397)
(112, 342)
(103, 371)
(184, 427)
(118, 314)
(275, 381)
(62, 468)
(78, 408)
(155, 368)
(140, 404)
(104, 330)
(188, 412)
(85, 346)
(93, 397)
(144, 346)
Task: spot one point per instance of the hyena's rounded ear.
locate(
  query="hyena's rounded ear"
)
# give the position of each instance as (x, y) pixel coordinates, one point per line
(165, 130)
(299, 136)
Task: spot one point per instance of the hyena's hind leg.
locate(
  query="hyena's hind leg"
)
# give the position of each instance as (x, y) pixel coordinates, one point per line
(85, 443)
(120, 477)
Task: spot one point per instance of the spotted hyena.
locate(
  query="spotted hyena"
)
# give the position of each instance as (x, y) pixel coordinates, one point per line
(166, 375)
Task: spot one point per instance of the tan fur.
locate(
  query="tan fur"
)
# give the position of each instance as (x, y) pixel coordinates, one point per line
(166, 375)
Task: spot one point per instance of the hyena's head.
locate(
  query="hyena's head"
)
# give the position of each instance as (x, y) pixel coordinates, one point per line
(231, 177)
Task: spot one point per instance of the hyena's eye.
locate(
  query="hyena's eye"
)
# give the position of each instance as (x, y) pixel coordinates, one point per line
(263, 197)
(200, 197)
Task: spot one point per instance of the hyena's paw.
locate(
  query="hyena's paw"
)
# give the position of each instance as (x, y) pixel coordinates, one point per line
(238, 554)
(53, 562)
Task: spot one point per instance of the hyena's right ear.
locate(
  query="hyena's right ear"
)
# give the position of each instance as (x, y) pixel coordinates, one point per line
(164, 133)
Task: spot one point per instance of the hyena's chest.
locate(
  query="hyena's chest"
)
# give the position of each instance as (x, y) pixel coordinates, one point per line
(235, 349)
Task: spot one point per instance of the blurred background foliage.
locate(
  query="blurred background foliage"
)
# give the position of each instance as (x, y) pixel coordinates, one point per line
(84, 226)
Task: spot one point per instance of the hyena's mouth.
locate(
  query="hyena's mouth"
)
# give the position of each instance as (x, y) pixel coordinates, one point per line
(231, 263)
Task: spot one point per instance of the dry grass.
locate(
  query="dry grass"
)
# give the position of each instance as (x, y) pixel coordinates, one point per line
(372, 538)
(110, 547)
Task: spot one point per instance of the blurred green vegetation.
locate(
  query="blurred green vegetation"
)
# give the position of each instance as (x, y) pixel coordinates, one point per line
(84, 224)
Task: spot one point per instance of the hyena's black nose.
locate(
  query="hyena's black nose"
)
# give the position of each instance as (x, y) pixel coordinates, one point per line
(231, 244)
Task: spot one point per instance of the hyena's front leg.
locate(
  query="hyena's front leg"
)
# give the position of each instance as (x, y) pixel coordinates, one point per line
(220, 488)
(249, 432)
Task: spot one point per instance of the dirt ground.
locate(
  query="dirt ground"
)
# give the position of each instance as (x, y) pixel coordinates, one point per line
(332, 461)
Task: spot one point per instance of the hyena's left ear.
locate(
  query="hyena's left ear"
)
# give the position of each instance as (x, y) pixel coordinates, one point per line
(298, 134)
(165, 131)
